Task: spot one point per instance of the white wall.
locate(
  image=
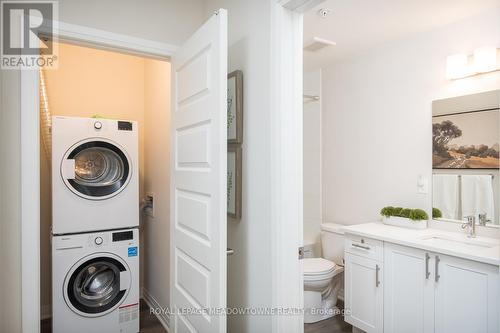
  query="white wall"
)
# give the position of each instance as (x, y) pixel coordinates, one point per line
(377, 117)
(249, 269)
(10, 212)
(168, 21)
(156, 230)
(312, 159)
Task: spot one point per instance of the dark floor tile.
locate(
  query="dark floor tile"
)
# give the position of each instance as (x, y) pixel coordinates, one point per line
(335, 324)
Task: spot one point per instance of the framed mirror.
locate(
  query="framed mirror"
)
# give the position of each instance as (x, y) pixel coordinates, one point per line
(465, 158)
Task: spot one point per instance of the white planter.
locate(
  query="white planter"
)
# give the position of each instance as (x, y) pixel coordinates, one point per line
(404, 222)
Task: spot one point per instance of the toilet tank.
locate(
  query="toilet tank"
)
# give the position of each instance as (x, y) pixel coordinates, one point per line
(332, 242)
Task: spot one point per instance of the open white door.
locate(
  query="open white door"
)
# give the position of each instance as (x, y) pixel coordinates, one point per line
(198, 180)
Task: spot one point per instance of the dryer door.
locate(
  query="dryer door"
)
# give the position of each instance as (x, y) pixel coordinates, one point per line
(96, 169)
(97, 285)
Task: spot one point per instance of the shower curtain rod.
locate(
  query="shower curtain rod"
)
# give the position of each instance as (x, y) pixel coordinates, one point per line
(460, 176)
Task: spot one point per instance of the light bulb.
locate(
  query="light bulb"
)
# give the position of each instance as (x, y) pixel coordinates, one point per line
(485, 59)
(457, 66)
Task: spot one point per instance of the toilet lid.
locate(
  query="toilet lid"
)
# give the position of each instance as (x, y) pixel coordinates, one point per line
(313, 266)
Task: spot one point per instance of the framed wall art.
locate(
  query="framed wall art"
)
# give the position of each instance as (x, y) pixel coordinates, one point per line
(235, 107)
(234, 182)
(466, 140)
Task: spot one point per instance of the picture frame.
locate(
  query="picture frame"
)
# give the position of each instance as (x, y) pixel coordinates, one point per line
(466, 140)
(234, 177)
(235, 107)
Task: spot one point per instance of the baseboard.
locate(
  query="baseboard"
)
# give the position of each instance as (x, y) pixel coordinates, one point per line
(45, 312)
(163, 317)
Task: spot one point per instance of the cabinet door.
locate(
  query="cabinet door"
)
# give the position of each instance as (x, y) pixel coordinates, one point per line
(408, 291)
(466, 296)
(364, 293)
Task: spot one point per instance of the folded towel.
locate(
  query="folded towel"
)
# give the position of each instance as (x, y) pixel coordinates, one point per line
(477, 196)
(445, 195)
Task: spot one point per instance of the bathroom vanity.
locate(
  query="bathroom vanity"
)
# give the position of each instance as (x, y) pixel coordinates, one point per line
(405, 280)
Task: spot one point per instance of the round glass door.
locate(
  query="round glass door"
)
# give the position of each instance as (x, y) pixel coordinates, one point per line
(102, 170)
(93, 288)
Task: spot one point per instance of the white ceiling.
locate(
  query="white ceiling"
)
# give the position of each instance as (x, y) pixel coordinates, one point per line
(358, 25)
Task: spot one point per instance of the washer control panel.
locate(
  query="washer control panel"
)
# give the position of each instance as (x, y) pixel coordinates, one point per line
(97, 125)
(98, 240)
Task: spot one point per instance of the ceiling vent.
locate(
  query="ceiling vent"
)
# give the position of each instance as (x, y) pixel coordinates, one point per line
(314, 44)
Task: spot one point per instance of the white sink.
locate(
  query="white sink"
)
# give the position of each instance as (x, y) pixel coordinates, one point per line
(447, 240)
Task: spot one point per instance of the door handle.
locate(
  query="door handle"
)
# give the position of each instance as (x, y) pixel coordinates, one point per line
(437, 276)
(229, 252)
(427, 273)
(377, 281)
(364, 247)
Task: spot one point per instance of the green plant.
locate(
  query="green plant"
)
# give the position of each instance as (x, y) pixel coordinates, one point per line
(387, 211)
(418, 215)
(413, 214)
(397, 211)
(436, 213)
(405, 213)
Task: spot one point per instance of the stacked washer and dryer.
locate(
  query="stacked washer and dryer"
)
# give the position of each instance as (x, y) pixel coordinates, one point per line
(95, 235)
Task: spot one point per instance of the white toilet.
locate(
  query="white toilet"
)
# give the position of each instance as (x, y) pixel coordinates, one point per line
(323, 277)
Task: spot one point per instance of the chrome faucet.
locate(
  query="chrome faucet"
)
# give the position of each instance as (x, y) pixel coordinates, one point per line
(470, 226)
(483, 219)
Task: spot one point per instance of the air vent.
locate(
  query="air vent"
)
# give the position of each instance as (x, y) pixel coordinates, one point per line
(316, 43)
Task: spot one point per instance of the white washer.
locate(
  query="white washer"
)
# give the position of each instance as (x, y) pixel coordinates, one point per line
(95, 174)
(95, 282)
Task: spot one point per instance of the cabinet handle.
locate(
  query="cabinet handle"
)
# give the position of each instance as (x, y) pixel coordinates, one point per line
(437, 276)
(377, 281)
(361, 246)
(427, 273)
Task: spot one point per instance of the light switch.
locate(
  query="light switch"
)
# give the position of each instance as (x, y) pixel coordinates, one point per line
(422, 184)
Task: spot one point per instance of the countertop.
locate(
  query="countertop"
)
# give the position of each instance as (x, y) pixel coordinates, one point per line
(420, 239)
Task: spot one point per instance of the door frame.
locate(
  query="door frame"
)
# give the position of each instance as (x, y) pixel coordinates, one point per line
(30, 151)
(287, 161)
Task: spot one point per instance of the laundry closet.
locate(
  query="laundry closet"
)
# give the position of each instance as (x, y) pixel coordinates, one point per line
(124, 101)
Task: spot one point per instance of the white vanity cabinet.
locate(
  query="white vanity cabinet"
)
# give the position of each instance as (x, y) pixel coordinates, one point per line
(466, 296)
(417, 291)
(409, 290)
(364, 286)
(429, 292)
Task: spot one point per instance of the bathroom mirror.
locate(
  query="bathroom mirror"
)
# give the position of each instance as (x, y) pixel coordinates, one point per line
(465, 158)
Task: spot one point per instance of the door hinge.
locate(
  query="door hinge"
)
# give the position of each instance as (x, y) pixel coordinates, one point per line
(301, 252)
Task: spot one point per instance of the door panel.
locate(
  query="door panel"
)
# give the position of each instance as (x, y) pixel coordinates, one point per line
(198, 179)
(466, 296)
(409, 290)
(364, 293)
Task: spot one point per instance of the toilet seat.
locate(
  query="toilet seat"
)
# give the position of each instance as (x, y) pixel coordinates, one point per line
(318, 268)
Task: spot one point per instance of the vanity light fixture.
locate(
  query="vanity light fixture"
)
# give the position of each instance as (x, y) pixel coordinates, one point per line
(483, 60)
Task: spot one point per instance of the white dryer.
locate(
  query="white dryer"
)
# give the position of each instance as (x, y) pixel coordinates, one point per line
(95, 174)
(95, 282)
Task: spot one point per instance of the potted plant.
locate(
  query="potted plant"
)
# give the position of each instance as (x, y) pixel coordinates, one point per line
(404, 217)
(436, 213)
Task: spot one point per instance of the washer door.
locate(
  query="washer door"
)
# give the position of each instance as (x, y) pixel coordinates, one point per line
(97, 285)
(96, 169)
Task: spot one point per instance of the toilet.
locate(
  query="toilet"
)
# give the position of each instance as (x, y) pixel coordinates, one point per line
(323, 277)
